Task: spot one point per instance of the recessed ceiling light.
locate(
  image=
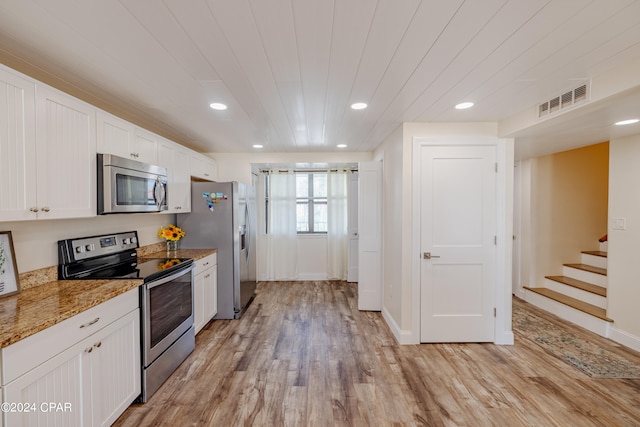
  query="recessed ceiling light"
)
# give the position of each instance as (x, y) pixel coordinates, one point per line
(627, 122)
(464, 105)
(341, 145)
(359, 106)
(218, 106)
(257, 145)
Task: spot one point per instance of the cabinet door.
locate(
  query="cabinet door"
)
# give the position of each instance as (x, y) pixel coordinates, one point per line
(62, 381)
(17, 148)
(115, 368)
(182, 181)
(144, 147)
(176, 160)
(198, 301)
(115, 136)
(211, 293)
(66, 157)
(203, 167)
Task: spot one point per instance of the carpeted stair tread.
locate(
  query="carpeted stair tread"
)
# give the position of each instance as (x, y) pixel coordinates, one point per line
(598, 312)
(579, 284)
(589, 268)
(602, 254)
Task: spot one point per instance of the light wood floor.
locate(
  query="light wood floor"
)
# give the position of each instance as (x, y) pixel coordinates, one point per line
(304, 355)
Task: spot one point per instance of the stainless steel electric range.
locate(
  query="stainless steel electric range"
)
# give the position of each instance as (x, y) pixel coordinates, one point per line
(166, 297)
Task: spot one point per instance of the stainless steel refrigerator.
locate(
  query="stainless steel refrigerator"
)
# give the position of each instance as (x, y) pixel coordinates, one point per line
(223, 217)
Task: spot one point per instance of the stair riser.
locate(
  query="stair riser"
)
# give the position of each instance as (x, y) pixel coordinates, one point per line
(598, 326)
(570, 291)
(604, 247)
(585, 276)
(596, 261)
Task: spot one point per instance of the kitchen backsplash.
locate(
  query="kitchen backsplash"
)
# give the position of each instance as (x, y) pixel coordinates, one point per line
(35, 242)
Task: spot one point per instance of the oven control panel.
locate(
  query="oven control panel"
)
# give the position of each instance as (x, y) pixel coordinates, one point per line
(94, 246)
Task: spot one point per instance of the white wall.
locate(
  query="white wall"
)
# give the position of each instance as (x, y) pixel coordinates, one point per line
(312, 257)
(35, 242)
(391, 154)
(624, 245)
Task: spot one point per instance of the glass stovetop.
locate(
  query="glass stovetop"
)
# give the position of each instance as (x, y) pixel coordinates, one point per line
(145, 268)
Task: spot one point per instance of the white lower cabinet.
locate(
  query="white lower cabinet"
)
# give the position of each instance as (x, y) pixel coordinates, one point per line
(90, 383)
(206, 291)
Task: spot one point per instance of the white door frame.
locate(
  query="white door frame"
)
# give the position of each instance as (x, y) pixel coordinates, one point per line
(504, 195)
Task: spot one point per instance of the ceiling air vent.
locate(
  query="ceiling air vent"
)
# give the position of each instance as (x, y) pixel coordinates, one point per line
(566, 100)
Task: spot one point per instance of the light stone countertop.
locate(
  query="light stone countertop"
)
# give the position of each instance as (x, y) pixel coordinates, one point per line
(41, 305)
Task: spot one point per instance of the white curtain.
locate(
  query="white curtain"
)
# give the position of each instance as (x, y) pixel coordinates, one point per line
(282, 242)
(337, 225)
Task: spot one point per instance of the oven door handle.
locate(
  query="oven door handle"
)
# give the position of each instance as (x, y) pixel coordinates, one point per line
(162, 280)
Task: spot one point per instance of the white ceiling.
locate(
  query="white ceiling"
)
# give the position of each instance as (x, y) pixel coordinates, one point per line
(289, 69)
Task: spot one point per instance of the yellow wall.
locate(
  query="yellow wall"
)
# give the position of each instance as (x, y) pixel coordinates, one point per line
(568, 208)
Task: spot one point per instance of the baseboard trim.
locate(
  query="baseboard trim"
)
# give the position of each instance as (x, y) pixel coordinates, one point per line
(505, 339)
(624, 338)
(312, 276)
(403, 337)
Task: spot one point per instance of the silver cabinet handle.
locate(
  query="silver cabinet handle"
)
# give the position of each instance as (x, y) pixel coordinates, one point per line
(427, 255)
(93, 322)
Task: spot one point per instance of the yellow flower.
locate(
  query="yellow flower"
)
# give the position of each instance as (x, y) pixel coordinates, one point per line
(171, 232)
(168, 264)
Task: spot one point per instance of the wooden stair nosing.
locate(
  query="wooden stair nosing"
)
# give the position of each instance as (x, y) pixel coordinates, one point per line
(579, 284)
(602, 254)
(589, 268)
(598, 312)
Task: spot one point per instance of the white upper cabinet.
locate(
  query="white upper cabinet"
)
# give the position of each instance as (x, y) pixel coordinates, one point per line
(124, 139)
(176, 159)
(204, 167)
(66, 156)
(17, 147)
(145, 146)
(58, 179)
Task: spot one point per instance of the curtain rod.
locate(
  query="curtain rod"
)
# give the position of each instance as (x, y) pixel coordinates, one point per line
(309, 170)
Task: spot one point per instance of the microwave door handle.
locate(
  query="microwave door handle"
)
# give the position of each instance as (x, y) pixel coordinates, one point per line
(159, 192)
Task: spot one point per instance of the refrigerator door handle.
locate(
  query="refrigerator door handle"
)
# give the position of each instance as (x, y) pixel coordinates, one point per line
(246, 243)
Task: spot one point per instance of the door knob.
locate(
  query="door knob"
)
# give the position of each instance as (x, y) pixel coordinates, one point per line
(427, 255)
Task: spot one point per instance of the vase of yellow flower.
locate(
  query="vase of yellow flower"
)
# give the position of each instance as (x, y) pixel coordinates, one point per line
(172, 235)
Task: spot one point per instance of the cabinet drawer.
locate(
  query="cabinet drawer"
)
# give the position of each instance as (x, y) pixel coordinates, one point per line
(30, 352)
(205, 263)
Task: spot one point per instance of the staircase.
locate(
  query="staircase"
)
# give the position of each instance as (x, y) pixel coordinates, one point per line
(580, 294)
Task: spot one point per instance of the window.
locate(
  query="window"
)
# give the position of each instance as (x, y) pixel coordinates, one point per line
(311, 202)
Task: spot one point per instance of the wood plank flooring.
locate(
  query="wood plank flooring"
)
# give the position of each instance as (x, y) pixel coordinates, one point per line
(303, 355)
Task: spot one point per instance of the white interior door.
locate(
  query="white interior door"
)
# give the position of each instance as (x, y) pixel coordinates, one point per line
(352, 225)
(458, 243)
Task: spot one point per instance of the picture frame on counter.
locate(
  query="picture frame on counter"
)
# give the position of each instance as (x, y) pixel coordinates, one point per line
(9, 282)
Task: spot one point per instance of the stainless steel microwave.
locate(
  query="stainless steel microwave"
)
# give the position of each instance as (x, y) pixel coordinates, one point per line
(128, 186)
